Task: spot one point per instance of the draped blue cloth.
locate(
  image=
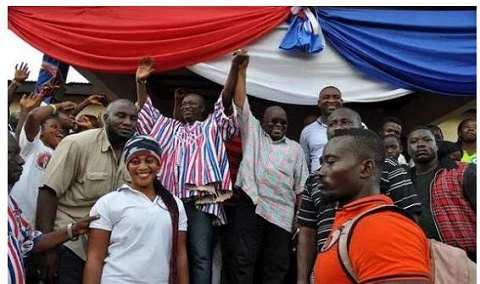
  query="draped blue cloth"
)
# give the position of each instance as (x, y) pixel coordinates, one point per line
(300, 37)
(432, 51)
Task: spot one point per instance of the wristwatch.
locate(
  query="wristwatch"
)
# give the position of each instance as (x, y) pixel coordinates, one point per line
(70, 235)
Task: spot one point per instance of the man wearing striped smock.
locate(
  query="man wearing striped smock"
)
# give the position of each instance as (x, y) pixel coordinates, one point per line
(194, 164)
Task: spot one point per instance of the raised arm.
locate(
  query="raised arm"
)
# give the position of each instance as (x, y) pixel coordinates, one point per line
(21, 74)
(232, 77)
(93, 99)
(27, 104)
(240, 87)
(144, 70)
(39, 114)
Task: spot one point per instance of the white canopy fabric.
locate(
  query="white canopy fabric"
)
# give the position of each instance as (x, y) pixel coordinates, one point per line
(295, 77)
(273, 74)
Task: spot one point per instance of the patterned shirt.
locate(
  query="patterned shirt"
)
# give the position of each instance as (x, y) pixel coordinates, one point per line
(316, 213)
(193, 155)
(21, 239)
(272, 173)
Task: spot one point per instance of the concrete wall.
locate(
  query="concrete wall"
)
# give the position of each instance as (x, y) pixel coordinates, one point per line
(449, 127)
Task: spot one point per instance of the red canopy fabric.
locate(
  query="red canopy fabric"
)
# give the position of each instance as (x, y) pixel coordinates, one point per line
(112, 39)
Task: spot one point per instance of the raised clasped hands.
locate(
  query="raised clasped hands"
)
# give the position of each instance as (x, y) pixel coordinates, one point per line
(240, 58)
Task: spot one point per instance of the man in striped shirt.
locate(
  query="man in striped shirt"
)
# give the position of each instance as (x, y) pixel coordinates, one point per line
(316, 215)
(194, 161)
(22, 239)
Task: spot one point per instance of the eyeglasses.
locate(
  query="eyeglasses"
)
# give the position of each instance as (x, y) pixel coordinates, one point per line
(283, 122)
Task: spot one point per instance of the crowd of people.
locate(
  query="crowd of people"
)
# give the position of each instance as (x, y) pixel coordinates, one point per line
(138, 197)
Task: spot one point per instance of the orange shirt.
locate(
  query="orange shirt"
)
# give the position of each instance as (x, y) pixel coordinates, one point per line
(384, 246)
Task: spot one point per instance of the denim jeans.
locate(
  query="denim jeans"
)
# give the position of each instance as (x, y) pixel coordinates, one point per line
(200, 244)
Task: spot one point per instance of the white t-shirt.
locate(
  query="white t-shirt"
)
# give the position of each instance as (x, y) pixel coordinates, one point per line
(25, 190)
(141, 233)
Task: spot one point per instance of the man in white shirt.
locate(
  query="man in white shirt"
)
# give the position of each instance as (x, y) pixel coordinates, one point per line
(314, 136)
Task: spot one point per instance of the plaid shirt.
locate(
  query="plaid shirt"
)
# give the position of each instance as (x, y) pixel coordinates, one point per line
(452, 212)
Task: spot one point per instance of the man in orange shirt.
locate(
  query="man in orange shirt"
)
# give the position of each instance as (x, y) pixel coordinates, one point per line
(384, 247)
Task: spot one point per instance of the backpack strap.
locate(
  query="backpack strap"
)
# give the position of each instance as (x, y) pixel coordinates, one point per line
(346, 234)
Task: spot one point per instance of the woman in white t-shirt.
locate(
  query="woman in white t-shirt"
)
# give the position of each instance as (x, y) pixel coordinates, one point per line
(141, 234)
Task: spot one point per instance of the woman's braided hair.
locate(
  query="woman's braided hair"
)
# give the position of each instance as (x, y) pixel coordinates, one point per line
(172, 207)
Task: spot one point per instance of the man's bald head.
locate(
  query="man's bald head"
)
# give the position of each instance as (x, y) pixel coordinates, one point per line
(117, 103)
(343, 118)
(120, 120)
(274, 110)
(275, 122)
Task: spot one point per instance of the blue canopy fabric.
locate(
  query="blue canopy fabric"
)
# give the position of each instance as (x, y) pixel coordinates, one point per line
(432, 51)
(300, 35)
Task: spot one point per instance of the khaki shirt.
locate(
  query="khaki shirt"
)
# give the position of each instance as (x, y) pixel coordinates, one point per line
(83, 169)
